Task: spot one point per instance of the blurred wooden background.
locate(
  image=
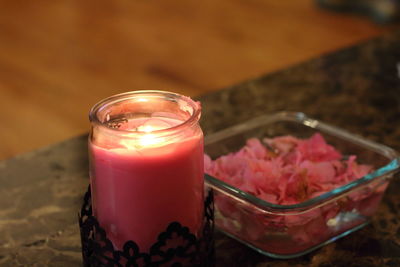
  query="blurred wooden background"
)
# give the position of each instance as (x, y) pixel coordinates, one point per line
(57, 58)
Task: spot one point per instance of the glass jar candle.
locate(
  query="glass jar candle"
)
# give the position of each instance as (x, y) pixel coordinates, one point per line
(146, 165)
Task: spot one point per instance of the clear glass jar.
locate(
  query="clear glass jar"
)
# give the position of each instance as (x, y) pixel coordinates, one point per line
(146, 165)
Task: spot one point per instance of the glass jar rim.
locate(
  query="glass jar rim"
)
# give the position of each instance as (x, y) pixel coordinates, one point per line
(193, 119)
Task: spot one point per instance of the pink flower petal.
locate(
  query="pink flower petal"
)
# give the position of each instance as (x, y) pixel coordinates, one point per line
(286, 170)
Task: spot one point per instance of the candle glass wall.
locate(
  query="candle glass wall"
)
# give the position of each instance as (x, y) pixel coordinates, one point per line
(146, 165)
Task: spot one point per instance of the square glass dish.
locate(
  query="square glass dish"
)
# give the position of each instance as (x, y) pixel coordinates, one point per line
(288, 231)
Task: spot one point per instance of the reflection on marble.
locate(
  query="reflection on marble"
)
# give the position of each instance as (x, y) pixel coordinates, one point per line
(357, 89)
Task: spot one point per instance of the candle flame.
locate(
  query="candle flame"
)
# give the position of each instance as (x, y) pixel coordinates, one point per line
(146, 135)
(146, 140)
(146, 128)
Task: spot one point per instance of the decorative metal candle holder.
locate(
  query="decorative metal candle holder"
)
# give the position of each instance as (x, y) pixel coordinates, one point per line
(98, 250)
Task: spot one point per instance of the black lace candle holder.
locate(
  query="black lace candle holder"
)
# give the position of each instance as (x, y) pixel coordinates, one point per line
(98, 250)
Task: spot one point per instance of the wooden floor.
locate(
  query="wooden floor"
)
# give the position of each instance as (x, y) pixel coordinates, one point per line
(57, 58)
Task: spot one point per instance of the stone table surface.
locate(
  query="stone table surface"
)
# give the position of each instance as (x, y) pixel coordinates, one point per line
(357, 89)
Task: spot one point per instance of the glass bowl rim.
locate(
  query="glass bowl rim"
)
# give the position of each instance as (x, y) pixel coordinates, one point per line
(298, 117)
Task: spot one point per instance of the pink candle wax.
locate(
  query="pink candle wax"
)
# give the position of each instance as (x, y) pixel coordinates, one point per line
(140, 185)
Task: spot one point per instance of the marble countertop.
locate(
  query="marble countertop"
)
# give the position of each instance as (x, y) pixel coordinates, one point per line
(357, 89)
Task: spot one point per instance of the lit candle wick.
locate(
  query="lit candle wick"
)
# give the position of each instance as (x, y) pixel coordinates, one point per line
(147, 136)
(145, 128)
(148, 140)
(145, 140)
